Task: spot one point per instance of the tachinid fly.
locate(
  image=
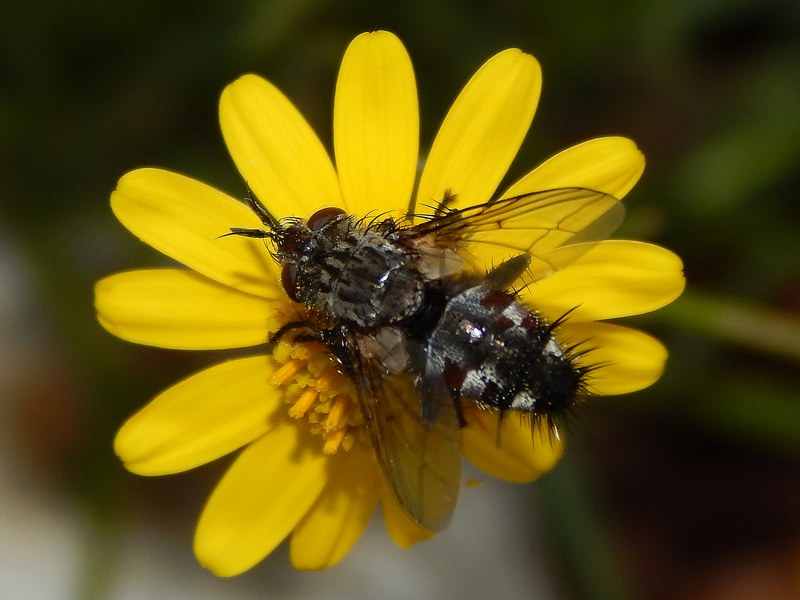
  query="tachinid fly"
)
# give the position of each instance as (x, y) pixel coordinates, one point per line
(422, 335)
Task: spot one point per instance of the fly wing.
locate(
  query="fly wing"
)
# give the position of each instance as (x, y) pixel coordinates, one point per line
(540, 224)
(422, 461)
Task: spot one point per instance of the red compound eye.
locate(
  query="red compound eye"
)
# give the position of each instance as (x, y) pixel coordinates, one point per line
(289, 281)
(322, 217)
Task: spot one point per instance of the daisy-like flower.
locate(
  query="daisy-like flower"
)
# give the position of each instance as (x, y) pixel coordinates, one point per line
(306, 469)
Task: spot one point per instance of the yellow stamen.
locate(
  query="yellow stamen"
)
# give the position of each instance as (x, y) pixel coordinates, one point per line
(304, 403)
(318, 393)
(337, 414)
(333, 440)
(287, 372)
(303, 352)
(327, 378)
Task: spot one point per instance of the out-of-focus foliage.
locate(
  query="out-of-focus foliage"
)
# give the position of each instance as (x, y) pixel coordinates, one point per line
(693, 482)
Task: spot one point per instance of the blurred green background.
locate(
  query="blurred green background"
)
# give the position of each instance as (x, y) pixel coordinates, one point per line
(688, 490)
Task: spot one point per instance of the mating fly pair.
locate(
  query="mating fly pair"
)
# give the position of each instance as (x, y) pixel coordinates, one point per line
(421, 335)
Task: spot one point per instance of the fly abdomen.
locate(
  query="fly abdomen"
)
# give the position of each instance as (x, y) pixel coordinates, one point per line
(491, 349)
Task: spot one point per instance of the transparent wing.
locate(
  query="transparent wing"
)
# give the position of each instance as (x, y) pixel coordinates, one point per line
(541, 224)
(421, 461)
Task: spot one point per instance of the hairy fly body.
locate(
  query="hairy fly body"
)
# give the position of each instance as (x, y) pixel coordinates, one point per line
(422, 335)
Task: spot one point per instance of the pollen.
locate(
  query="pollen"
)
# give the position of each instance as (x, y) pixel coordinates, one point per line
(318, 394)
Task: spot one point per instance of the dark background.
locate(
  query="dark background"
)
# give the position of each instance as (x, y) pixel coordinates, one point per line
(687, 490)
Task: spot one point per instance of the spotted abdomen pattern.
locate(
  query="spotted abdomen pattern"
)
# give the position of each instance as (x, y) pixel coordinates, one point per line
(490, 348)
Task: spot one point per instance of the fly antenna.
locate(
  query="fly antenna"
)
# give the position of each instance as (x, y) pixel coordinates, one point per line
(261, 211)
(259, 234)
(266, 217)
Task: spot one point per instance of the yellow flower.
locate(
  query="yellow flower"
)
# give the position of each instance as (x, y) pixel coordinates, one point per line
(306, 469)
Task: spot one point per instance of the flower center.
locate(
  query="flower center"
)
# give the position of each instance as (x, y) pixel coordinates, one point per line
(317, 392)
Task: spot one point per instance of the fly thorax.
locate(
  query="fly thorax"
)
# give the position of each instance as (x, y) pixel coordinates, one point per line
(358, 277)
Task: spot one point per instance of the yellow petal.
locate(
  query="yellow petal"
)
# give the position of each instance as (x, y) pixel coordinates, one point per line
(376, 125)
(609, 164)
(261, 498)
(615, 278)
(517, 452)
(176, 308)
(184, 219)
(340, 514)
(628, 360)
(404, 531)
(275, 149)
(200, 419)
(483, 131)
